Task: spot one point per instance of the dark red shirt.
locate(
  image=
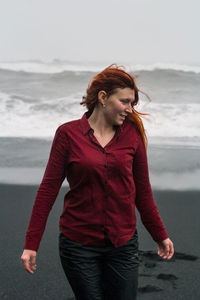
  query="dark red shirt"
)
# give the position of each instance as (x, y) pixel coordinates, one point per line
(105, 185)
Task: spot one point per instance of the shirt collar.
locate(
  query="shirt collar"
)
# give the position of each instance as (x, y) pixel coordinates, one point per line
(86, 126)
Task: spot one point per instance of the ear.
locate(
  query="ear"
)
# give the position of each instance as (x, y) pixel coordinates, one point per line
(102, 96)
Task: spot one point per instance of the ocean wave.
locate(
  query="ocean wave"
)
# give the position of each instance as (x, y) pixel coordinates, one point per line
(176, 122)
(166, 66)
(47, 67)
(58, 66)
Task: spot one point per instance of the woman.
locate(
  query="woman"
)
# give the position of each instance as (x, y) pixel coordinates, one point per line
(103, 157)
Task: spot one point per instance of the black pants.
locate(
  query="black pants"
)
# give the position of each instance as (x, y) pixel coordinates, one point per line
(101, 273)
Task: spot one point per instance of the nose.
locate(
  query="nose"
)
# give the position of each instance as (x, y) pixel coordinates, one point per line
(129, 108)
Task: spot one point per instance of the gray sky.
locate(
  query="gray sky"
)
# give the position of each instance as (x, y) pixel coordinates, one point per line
(137, 31)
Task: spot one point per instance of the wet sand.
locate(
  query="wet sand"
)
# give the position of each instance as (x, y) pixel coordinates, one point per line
(158, 279)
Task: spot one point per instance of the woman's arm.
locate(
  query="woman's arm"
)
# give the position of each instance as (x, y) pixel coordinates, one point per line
(46, 195)
(48, 190)
(145, 202)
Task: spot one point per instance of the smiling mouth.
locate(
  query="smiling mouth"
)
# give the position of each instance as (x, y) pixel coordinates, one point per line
(123, 116)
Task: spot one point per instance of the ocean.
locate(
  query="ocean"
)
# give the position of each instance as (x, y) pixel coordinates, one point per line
(36, 97)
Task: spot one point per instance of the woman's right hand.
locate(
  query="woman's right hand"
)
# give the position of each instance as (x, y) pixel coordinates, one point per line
(28, 259)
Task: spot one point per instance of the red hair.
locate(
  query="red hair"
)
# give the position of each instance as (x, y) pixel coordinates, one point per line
(109, 80)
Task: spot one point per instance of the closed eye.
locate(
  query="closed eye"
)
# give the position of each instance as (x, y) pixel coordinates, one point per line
(127, 101)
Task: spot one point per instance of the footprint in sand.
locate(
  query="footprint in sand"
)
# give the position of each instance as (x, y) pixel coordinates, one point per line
(169, 277)
(150, 259)
(149, 289)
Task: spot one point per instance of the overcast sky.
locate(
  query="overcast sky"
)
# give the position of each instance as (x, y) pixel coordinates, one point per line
(135, 31)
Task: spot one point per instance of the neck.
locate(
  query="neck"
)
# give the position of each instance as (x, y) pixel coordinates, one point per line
(99, 123)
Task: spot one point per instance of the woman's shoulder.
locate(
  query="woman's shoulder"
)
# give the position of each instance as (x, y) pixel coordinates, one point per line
(68, 126)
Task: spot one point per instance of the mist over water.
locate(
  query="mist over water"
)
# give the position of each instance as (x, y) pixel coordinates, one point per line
(36, 97)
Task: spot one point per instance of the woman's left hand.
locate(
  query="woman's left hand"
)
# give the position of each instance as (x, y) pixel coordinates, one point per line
(166, 249)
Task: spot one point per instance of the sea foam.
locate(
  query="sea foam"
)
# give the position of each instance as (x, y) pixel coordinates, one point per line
(58, 66)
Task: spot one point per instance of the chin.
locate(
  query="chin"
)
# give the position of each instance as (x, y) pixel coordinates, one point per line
(119, 122)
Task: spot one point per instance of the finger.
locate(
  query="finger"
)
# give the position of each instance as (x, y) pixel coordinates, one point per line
(162, 248)
(162, 255)
(27, 264)
(166, 251)
(33, 259)
(163, 251)
(160, 251)
(171, 252)
(33, 262)
(27, 267)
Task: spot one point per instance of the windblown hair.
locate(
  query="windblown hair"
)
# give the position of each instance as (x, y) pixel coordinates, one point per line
(109, 80)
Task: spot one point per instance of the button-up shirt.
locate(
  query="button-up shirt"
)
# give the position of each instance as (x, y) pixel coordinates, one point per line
(105, 185)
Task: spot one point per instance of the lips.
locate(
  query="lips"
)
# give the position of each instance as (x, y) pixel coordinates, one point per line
(123, 116)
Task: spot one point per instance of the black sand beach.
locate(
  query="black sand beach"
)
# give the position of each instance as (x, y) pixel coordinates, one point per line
(158, 279)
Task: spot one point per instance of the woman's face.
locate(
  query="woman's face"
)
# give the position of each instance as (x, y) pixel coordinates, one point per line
(118, 105)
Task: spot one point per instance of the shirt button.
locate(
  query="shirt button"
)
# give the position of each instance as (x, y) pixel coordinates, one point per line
(105, 166)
